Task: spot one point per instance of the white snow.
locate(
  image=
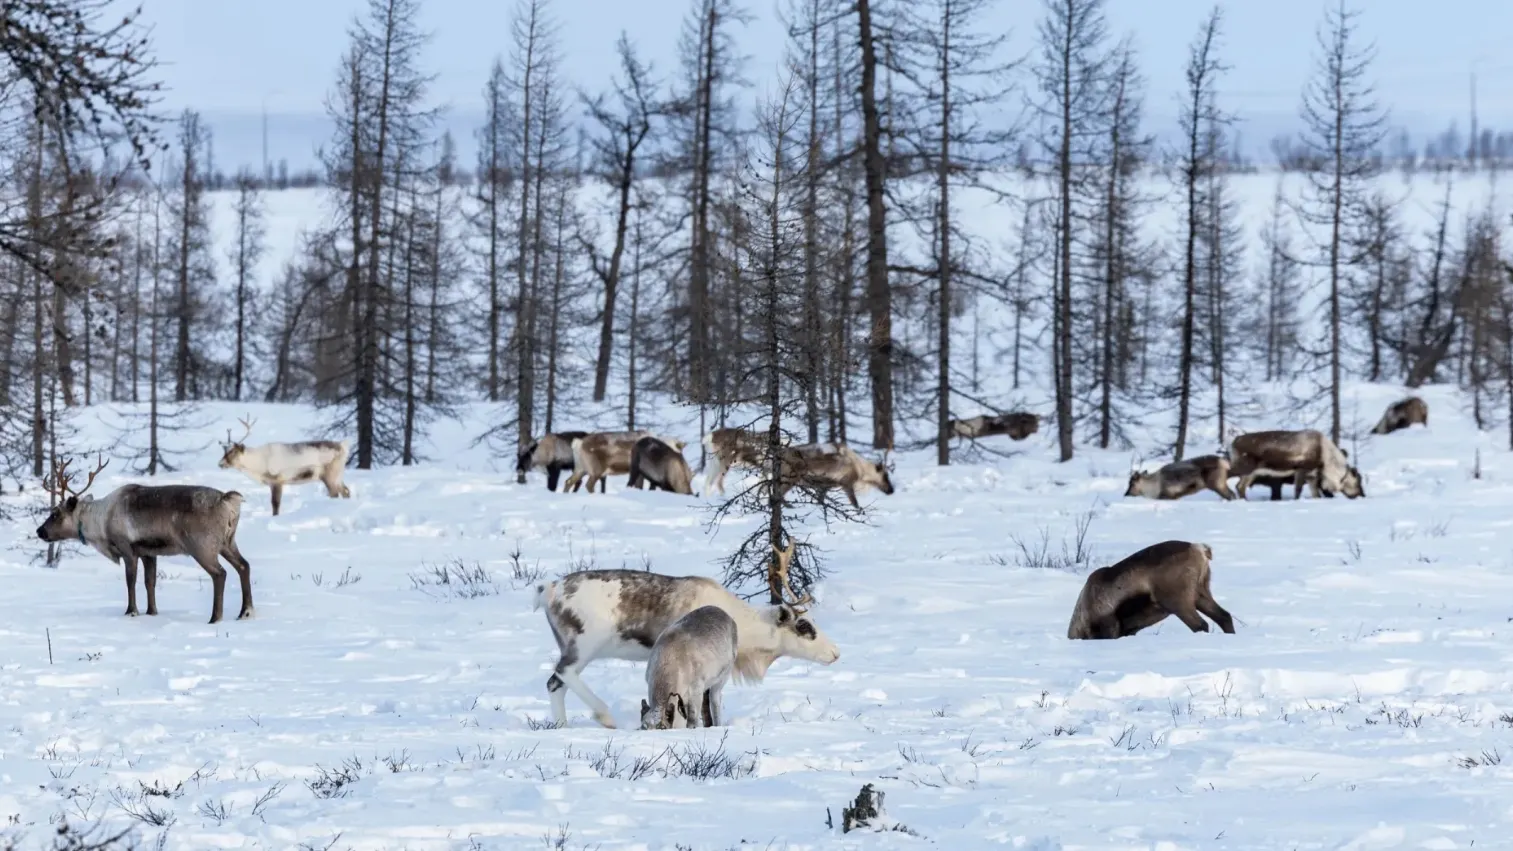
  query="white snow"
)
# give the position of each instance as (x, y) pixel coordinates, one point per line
(1371, 664)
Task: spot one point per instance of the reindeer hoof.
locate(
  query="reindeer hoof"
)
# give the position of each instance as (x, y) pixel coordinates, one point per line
(244, 615)
(152, 611)
(132, 612)
(606, 720)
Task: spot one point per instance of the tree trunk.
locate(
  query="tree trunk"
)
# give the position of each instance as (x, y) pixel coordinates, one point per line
(879, 294)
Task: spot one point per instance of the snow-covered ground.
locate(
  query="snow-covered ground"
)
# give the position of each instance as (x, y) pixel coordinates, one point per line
(1364, 703)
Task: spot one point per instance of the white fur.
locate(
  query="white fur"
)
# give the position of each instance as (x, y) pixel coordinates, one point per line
(282, 463)
(760, 641)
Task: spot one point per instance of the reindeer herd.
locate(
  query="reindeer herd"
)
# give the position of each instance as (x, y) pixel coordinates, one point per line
(693, 633)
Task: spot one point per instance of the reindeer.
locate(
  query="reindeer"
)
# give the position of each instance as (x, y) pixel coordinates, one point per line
(1307, 456)
(138, 522)
(280, 464)
(691, 661)
(733, 447)
(1169, 578)
(820, 467)
(553, 452)
(618, 614)
(659, 466)
(1017, 426)
(1402, 414)
(601, 454)
(1276, 483)
(1183, 478)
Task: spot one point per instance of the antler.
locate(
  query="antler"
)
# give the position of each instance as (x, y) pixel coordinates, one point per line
(247, 424)
(61, 478)
(784, 559)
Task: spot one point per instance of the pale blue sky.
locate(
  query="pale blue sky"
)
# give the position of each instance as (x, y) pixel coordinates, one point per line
(228, 58)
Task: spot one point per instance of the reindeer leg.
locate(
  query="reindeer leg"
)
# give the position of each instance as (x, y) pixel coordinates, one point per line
(566, 676)
(1243, 486)
(217, 582)
(1187, 612)
(131, 585)
(1276, 491)
(552, 472)
(150, 577)
(243, 573)
(1222, 489)
(1216, 613)
(277, 492)
(851, 495)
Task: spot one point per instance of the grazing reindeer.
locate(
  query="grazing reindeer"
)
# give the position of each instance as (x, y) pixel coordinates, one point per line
(1403, 414)
(279, 464)
(601, 454)
(1183, 478)
(691, 661)
(618, 614)
(820, 467)
(659, 466)
(733, 447)
(553, 452)
(138, 522)
(1307, 456)
(1017, 426)
(1169, 578)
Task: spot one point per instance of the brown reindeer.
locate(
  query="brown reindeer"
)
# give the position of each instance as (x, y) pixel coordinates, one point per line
(1183, 478)
(660, 466)
(820, 467)
(1307, 455)
(602, 454)
(553, 453)
(1169, 578)
(1400, 415)
(138, 522)
(1017, 426)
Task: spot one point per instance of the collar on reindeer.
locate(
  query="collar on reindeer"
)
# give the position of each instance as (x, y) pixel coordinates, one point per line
(81, 535)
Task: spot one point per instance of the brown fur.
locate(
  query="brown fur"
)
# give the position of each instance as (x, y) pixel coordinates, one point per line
(1308, 455)
(819, 468)
(553, 452)
(733, 447)
(1169, 578)
(1183, 478)
(1401, 414)
(1017, 426)
(139, 522)
(602, 454)
(660, 467)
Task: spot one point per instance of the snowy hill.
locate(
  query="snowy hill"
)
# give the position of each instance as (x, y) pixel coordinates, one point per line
(1365, 702)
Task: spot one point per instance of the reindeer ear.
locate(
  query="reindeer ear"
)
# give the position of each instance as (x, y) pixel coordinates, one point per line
(71, 504)
(645, 707)
(785, 614)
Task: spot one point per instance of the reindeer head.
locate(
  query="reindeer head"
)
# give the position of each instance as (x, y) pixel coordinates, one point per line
(880, 478)
(236, 446)
(1351, 485)
(798, 635)
(672, 715)
(64, 521)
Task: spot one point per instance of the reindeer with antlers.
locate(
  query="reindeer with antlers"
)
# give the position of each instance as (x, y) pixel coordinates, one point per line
(141, 522)
(620, 614)
(280, 464)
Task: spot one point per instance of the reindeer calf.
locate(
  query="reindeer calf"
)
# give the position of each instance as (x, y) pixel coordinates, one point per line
(689, 666)
(1017, 426)
(137, 522)
(820, 467)
(1402, 414)
(280, 464)
(659, 466)
(553, 453)
(1183, 478)
(1169, 578)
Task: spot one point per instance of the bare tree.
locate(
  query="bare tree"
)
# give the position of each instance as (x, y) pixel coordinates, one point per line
(244, 256)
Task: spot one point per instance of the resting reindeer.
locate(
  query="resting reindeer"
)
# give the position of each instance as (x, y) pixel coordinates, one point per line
(139, 522)
(689, 666)
(730, 448)
(1183, 478)
(1402, 414)
(1169, 578)
(602, 454)
(1307, 455)
(660, 466)
(820, 467)
(618, 614)
(1017, 426)
(553, 453)
(279, 464)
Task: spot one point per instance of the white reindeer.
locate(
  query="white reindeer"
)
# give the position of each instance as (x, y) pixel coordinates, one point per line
(619, 614)
(279, 464)
(689, 666)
